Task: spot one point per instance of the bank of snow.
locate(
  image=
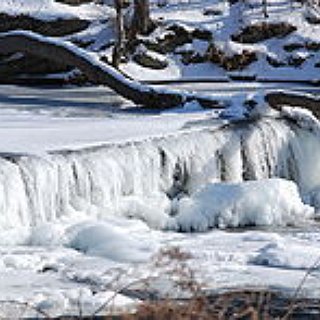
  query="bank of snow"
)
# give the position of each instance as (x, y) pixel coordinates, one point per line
(52, 10)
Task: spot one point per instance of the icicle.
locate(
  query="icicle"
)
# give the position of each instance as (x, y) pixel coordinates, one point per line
(142, 179)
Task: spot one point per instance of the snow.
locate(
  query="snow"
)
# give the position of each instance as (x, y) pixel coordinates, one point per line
(223, 259)
(36, 121)
(103, 240)
(91, 188)
(288, 255)
(172, 71)
(256, 203)
(52, 10)
(99, 187)
(229, 22)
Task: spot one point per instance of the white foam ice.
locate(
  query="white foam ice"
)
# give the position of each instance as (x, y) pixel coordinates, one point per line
(271, 202)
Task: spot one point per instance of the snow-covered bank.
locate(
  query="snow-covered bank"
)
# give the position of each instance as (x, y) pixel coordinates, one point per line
(51, 10)
(282, 56)
(291, 56)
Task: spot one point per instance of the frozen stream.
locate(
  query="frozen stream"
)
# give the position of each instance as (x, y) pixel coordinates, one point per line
(85, 189)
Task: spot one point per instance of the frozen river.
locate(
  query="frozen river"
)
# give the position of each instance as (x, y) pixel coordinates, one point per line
(86, 188)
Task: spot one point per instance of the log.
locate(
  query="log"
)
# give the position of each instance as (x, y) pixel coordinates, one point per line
(278, 99)
(96, 71)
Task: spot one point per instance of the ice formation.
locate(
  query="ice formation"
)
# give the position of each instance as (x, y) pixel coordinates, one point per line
(268, 202)
(148, 180)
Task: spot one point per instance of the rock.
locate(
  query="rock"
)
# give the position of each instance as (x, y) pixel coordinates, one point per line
(54, 28)
(274, 62)
(296, 61)
(192, 57)
(31, 65)
(293, 46)
(74, 2)
(263, 31)
(241, 76)
(82, 43)
(313, 19)
(210, 103)
(230, 63)
(313, 46)
(172, 37)
(168, 42)
(214, 54)
(150, 60)
(212, 12)
(202, 34)
(176, 35)
(317, 64)
(179, 30)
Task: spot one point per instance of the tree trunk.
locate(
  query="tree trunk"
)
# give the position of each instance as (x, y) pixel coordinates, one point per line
(141, 21)
(96, 71)
(265, 8)
(119, 45)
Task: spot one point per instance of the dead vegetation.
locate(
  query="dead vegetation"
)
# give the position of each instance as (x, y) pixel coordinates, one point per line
(234, 304)
(188, 298)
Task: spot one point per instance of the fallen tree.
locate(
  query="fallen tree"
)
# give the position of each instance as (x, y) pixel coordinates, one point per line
(278, 99)
(96, 71)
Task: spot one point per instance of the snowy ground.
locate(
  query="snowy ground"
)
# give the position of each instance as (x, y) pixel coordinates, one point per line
(58, 279)
(66, 264)
(227, 20)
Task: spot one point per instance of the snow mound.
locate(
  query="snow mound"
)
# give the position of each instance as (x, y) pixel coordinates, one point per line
(52, 10)
(261, 203)
(101, 239)
(282, 254)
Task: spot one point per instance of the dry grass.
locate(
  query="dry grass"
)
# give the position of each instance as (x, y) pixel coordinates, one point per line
(199, 305)
(187, 298)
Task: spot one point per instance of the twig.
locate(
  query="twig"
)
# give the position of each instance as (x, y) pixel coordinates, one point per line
(118, 291)
(27, 305)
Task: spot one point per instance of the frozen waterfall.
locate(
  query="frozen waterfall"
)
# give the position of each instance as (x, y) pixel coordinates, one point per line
(146, 179)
